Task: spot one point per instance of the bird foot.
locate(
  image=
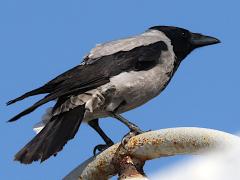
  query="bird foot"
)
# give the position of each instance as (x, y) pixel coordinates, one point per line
(134, 132)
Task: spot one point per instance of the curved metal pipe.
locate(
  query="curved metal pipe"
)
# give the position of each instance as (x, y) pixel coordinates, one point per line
(151, 145)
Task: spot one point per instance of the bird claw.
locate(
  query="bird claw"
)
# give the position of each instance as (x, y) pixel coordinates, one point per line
(100, 148)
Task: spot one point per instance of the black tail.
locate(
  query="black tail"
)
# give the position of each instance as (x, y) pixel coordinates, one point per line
(53, 137)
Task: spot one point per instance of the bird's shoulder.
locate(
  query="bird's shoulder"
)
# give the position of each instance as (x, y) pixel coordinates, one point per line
(124, 45)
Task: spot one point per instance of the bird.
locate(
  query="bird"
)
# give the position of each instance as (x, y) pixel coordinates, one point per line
(115, 77)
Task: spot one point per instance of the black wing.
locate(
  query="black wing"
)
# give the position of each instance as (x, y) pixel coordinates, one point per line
(92, 75)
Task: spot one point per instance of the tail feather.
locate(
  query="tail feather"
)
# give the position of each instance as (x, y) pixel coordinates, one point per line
(53, 137)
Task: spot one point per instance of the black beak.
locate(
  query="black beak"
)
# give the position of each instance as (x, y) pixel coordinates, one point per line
(199, 40)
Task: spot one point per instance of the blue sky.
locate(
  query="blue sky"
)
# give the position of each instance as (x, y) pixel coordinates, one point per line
(41, 39)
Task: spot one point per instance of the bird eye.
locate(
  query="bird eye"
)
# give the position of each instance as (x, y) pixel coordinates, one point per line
(184, 35)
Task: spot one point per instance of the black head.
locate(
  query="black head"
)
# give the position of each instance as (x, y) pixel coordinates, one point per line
(184, 41)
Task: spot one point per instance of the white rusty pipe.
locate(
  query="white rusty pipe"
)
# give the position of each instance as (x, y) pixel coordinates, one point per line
(151, 145)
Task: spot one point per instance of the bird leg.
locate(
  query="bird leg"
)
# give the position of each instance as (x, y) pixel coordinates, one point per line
(134, 129)
(130, 125)
(101, 147)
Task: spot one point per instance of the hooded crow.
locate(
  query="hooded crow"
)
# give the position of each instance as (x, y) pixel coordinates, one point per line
(113, 78)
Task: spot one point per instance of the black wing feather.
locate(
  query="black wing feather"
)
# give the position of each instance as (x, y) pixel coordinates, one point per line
(51, 85)
(55, 95)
